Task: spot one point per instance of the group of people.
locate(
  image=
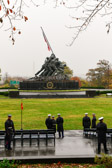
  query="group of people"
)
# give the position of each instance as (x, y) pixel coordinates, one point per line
(51, 124)
(101, 129)
(87, 123)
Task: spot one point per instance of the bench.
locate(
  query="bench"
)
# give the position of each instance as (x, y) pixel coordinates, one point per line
(30, 135)
(93, 132)
(2, 136)
(89, 131)
(109, 94)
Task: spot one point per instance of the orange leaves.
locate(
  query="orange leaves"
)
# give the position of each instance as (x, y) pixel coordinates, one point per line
(0, 8)
(25, 18)
(7, 12)
(14, 28)
(10, 10)
(19, 32)
(1, 20)
(8, 2)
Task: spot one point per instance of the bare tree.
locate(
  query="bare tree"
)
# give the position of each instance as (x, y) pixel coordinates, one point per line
(83, 11)
(12, 11)
(86, 11)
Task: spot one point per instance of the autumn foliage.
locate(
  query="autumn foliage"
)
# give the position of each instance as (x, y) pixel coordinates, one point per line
(12, 11)
(77, 79)
(8, 2)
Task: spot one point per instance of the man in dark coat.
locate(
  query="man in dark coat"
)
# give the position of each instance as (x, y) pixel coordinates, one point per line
(53, 124)
(9, 128)
(101, 130)
(59, 122)
(48, 122)
(94, 121)
(86, 122)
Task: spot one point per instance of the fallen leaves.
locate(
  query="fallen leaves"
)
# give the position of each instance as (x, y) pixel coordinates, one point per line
(58, 165)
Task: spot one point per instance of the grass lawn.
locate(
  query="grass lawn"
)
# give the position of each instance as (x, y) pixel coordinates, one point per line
(36, 110)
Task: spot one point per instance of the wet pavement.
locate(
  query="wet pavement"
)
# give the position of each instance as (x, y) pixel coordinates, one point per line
(53, 93)
(79, 94)
(73, 145)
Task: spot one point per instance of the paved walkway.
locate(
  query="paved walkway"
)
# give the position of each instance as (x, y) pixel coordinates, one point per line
(73, 145)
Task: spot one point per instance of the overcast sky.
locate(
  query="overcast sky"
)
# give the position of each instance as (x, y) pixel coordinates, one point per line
(28, 54)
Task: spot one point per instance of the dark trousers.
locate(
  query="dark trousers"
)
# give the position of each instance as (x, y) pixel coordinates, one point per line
(8, 141)
(99, 146)
(61, 134)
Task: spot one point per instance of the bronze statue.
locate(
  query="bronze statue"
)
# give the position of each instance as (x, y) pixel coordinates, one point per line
(51, 67)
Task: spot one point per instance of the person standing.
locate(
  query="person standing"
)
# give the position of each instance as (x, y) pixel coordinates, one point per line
(59, 122)
(101, 130)
(86, 122)
(93, 121)
(9, 128)
(48, 122)
(53, 124)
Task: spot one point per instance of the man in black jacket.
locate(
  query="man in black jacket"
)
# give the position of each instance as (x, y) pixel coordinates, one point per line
(101, 130)
(53, 124)
(59, 122)
(48, 122)
(9, 128)
(86, 122)
(94, 121)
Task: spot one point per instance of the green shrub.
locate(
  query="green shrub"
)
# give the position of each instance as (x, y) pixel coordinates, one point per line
(4, 93)
(105, 161)
(7, 164)
(103, 92)
(100, 87)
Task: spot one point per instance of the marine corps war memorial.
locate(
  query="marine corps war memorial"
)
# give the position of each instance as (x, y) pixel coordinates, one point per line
(48, 145)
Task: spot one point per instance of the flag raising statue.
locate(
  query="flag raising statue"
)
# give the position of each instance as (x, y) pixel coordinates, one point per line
(46, 40)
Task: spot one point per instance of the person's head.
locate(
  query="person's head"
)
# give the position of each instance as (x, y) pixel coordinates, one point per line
(9, 116)
(47, 58)
(52, 56)
(101, 119)
(59, 114)
(49, 115)
(93, 114)
(52, 117)
(86, 114)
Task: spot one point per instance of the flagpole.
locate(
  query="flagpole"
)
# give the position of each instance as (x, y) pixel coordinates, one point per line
(21, 114)
(46, 39)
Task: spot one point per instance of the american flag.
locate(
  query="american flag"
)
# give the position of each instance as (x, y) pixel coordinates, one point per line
(45, 38)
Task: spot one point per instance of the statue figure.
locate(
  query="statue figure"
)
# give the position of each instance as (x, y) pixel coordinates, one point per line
(51, 67)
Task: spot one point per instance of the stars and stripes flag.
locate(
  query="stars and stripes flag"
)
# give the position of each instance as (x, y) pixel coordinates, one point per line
(46, 40)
